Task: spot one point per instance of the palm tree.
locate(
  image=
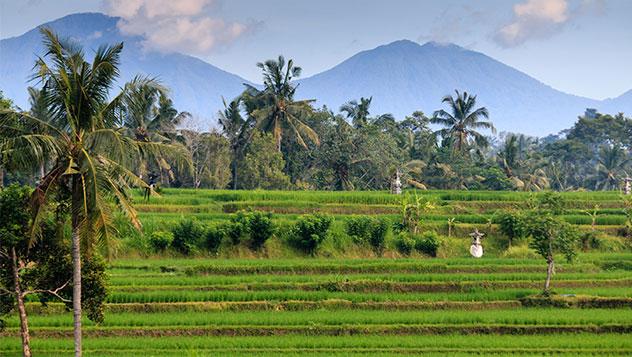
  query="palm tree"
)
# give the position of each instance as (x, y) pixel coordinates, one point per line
(274, 108)
(462, 121)
(149, 115)
(509, 154)
(358, 112)
(611, 162)
(39, 109)
(533, 180)
(234, 128)
(87, 152)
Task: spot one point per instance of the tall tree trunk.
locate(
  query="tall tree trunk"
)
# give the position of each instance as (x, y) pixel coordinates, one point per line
(236, 157)
(234, 172)
(76, 262)
(24, 324)
(549, 273)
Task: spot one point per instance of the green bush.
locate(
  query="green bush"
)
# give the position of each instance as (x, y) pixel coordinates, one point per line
(254, 227)
(404, 244)
(309, 232)
(187, 236)
(94, 289)
(369, 230)
(261, 228)
(377, 235)
(160, 240)
(358, 228)
(511, 225)
(239, 227)
(235, 231)
(427, 243)
(213, 238)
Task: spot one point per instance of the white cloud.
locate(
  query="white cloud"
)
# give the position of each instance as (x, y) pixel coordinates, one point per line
(539, 19)
(548, 10)
(175, 25)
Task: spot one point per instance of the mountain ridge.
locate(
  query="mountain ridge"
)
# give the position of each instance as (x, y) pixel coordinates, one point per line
(404, 72)
(402, 76)
(196, 86)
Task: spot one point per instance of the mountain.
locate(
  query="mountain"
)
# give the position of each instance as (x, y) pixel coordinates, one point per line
(196, 86)
(622, 103)
(404, 76)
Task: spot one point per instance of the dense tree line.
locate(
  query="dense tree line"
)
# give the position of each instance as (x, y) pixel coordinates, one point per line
(266, 138)
(455, 148)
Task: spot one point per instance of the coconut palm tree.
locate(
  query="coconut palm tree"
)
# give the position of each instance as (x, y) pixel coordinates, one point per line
(532, 180)
(611, 162)
(462, 122)
(358, 112)
(89, 156)
(509, 154)
(148, 115)
(235, 128)
(274, 108)
(39, 109)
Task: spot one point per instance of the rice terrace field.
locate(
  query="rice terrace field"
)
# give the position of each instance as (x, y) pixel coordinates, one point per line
(346, 298)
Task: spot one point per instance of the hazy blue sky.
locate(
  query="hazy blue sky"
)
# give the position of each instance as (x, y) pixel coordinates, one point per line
(582, 47)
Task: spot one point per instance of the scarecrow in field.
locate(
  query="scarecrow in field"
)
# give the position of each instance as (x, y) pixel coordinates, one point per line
(476, 249)
(150, 186)
(396, 185)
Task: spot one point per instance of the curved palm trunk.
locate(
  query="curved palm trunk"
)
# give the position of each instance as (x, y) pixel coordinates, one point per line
(19, 297)
(234, 172)
(76, 263)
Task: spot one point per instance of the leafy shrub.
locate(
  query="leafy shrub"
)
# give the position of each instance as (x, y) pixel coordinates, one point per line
(213, 238)
(261, 228)
(377, 235)
(255, 227)
(369, 230)
(358, 228)
(551, 202)
(187, 236)
(309, 232)
(404, 244)
(239, 227)
(512, 225)
(94, 290)
(427, 243)
(235, 231)
(160, 240)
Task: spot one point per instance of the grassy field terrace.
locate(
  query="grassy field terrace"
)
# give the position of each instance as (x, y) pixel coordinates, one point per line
(346, 302)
